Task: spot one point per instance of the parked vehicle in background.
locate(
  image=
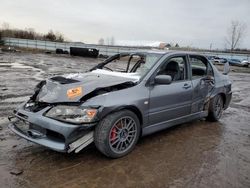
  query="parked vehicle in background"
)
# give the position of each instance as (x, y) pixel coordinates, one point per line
(217, 60)
(9, 49)
(237, 62)
(231, 61)
(84, 52)
(245, 61)
(210, 57)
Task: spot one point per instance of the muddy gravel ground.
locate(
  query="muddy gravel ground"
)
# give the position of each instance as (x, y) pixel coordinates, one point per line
(195, 154)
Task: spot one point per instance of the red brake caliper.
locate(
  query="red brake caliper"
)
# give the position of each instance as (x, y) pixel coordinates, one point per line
(113, 134)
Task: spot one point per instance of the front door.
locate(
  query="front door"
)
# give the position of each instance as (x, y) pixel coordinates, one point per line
(169, 102)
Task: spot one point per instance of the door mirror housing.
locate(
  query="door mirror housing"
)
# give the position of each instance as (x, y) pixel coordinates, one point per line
(226, 68)
(163, 79)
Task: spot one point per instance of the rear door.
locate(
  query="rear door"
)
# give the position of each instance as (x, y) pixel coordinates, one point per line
(168, 102)
(202, 81)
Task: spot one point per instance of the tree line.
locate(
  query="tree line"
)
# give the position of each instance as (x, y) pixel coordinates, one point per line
(30, 33)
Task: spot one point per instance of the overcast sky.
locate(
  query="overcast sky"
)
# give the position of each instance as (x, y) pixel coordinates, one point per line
(196, 23)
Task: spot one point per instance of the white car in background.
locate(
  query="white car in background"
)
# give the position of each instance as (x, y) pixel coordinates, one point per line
(238, 62)
(245, 62)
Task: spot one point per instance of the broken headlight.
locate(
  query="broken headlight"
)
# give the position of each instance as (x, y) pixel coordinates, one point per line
(72, 114)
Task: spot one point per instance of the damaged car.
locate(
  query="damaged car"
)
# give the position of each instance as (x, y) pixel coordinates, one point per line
(127, 96)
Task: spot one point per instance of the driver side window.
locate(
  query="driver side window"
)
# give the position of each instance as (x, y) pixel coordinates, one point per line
(174, 67)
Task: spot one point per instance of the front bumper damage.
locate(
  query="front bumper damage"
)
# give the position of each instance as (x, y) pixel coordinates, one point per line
(56, 135)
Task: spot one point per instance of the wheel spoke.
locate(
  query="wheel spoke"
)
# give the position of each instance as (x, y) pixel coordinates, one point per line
(218, 107)
(131, 136)
(117, 127)
(121, 146)
(131, 125)
(118, 145)
(121, 123)
(115, 142)
(133, 131)
(116, 132)
(130, 139)
(124, 124)
(126, 144)
(115, 137)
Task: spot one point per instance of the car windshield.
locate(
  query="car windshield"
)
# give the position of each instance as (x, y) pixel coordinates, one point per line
(134, 64)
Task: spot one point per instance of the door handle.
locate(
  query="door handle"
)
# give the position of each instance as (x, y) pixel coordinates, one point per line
(186, 86)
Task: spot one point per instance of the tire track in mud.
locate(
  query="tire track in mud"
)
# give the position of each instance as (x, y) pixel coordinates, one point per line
(19, 64)
(10, 101)
(245, 108)
(9, 96)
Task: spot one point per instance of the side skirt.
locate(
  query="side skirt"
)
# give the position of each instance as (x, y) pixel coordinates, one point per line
(166, 124)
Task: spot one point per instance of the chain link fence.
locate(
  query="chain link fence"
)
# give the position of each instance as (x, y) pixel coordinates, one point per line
(52, 46)
(103, 49)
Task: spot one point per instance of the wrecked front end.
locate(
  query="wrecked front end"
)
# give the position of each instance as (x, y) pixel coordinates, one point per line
(56, 124)
(55, 116)
(45, 125)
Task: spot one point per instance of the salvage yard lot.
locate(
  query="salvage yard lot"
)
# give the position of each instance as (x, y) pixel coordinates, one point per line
(196, 154)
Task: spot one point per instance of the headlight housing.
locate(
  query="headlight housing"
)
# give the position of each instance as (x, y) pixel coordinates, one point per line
(72, 114)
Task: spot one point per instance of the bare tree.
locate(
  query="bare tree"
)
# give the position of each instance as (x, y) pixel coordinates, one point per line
(112, 41)
(107, 42)
(101, 41)
(50, 36)
(5, 26)
(1, 41)
(59, 37)
(235, 34)
(29, 33)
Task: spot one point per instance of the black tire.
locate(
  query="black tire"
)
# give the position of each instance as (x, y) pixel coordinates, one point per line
(115, 125)
(215, 108)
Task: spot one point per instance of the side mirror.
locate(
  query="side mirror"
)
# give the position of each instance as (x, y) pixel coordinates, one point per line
(163, 79)
(226, 68)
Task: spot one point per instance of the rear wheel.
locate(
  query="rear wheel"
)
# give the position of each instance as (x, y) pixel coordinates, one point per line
(117, 134)
(215, 108)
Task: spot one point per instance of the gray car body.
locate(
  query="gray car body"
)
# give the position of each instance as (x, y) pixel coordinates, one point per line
(157, 106)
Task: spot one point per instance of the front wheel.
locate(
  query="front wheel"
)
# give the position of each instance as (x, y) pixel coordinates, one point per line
(215, 108)
(117, 134)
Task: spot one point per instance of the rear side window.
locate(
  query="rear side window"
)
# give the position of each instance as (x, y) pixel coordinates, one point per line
(200, 67)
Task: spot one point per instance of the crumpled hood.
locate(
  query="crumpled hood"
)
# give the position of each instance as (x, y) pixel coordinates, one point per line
(71, 88)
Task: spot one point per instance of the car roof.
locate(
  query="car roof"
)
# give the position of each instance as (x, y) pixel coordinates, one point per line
(170, 52)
